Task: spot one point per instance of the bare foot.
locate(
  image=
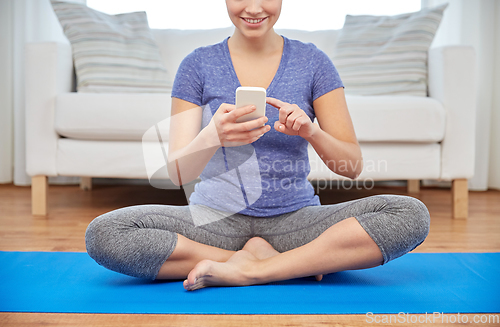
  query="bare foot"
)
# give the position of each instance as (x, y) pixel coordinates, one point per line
(261, 249)
(209, 273)
(239, 270)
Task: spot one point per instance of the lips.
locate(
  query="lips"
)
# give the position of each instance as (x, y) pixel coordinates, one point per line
(253, 20)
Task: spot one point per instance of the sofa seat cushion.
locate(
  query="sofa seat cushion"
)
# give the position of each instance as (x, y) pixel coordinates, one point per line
(127, 117)
(397, 118)
(109, 117)
(385, 161)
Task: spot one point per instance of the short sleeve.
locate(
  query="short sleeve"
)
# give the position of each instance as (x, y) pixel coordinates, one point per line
(188, 84)
(326, 76)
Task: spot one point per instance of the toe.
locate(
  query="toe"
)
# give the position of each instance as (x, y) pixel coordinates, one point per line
(196, 277)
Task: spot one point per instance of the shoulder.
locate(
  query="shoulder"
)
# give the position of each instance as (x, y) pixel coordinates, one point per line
(302, 49)
(209, 52)
(307, 56)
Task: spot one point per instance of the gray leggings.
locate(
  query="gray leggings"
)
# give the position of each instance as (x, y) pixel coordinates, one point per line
(137, 240)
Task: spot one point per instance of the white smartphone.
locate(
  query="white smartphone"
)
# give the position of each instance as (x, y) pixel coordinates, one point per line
(248, 95)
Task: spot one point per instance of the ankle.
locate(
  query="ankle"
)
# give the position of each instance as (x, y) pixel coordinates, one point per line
(257, 274)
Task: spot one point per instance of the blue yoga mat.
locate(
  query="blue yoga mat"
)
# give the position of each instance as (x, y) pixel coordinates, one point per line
(414, 283)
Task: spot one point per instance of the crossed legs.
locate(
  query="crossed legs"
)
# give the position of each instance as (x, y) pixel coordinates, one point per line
(343, 246)
(164, 242)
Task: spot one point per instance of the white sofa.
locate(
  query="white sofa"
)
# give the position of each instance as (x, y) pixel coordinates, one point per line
(100, 135)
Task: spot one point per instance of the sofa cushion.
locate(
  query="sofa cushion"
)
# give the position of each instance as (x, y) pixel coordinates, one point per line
(112, 53)
(377, 55)
(385, 161)
(118, 117)
(397, 118)
(124, 117)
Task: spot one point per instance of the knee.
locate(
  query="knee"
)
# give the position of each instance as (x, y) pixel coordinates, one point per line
(402, 227)
(415, 217)
(97, 239)
(421, 217)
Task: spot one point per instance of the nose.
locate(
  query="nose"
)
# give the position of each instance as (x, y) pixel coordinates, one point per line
(254, 7)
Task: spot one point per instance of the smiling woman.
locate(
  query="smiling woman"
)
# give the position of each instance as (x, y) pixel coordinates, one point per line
(317, 15)
(245, 223)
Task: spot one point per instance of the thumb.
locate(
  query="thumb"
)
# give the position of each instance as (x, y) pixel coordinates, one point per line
(279, 126)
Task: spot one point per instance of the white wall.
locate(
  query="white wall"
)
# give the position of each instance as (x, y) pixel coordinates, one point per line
(21, 21)
(470, 22)
(494, 165)
(6, 130)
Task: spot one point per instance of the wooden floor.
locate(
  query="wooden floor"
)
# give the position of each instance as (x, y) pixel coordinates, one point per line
(71, 210)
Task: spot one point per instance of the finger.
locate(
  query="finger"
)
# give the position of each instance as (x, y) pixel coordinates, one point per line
(226, 107)
(319, 277)
(249, 125)
(292, 119)
(279, 127)
(261, 131)
(229, 128)
(275, 102)
(256, 132)
(297, 124)
(239, 112)
(285, 111)
(301, 122)
(249, 135)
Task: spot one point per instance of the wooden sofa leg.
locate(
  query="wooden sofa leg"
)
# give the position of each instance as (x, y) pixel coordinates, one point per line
(39, 190)
(460, 194)
(86, 183)
(413, 186)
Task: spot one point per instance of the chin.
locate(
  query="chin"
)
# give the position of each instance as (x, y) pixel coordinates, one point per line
(254, 34)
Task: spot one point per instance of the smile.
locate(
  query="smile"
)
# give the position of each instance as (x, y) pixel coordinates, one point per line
(253, 21)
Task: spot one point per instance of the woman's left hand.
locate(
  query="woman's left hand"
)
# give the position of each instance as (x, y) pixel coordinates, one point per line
(292, 119)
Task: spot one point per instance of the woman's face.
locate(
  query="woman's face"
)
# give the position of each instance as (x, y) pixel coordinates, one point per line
(254, 18)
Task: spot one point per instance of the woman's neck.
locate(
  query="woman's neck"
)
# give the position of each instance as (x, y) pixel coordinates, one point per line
(269, 43)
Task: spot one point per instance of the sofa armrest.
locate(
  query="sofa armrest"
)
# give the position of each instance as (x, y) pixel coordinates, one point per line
(452, 80)
(48, 72)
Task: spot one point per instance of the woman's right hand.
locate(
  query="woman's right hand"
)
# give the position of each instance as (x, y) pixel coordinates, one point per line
(230, 133)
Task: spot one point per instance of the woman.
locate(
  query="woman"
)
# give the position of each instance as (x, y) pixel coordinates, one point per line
(242, 227)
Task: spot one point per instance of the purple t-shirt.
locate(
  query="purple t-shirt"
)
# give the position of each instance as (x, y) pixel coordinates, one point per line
(268, 177)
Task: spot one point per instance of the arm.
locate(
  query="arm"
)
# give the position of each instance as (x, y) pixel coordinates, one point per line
(191, 149)
(333, 139)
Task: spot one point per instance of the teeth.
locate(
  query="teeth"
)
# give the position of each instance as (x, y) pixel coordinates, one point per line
(254, 21)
